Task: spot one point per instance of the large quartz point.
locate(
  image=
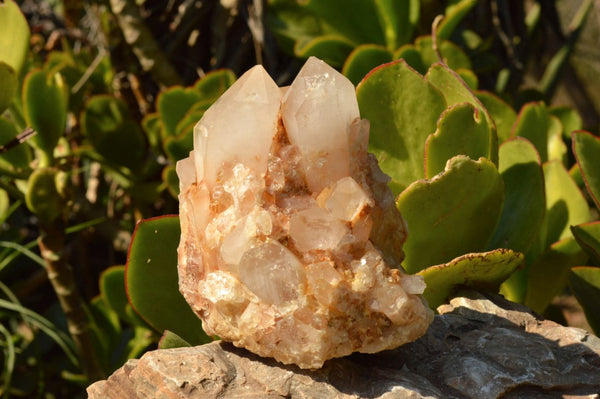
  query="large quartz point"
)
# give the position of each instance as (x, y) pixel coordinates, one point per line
(291, 242)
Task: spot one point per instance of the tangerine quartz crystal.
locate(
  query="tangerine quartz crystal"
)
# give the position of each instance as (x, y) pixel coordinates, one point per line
(291, 242)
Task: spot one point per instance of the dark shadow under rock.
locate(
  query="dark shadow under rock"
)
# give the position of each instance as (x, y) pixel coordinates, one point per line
(478, 347)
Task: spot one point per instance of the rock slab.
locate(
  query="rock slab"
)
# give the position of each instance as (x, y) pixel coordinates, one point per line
(477, 347)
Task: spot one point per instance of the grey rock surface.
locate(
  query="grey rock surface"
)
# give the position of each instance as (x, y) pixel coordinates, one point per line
(477, 347)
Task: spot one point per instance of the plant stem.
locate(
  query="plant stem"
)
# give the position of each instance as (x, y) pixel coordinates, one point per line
(60, 274)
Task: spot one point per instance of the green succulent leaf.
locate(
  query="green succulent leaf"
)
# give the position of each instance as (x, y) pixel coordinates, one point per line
(469, 77)
(403, 110)
(569, 118)
(565, 205)
(357, 20)
(17, 159)
(214, 83)
(452, 55)
(586, 148)
(532, 123)
(585, 284)
(557, 149)
(456, 91)
(9, 83)
(461, 130)
(14, 35)
(524, 196)
(363, 59)
(524, 207)
(170, 177)
(105, 333)
(45, 106)
(548, 275)
(398, 19)
(43, 197)
(332, 49)
(421, 55)
(152, 281)
(480, 271)
(412, 56)
(113, 132)
(502, 113)
(113, 293)
(455, 12)
(588, 238)
(4, 204)
(171, 340)
(173, 104)
(454, 213)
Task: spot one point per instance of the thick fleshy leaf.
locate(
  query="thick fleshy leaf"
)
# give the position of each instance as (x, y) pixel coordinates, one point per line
(469, 78)
(412, 56)
(169, 176)
(113, 132)
(585, 284)
(332, 49)
(16, 159)
(586, 148)
(45, 108)
(454, 213)
(8, 82)
(461, 130)
(452, 55)
(363, 59)
(549, 274)
(588, 237)
(105, 332)
(403, 110)
(173, 104)
(557, 149)
(214, 83)
(456, 91)
(14, 35)
(524, 207)
(357, 20)
(171, 340)
(532, 123)
(43, 197)
(455, 12)
(565, 205)
(398, 19)
(179, 147)
(112, 291)
(152, 282)
(4, 204)
(481, 271)
(524, 196)
(502, 114)
(569, 118)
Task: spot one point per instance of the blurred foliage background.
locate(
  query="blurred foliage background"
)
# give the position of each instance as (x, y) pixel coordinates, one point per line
(113, 89)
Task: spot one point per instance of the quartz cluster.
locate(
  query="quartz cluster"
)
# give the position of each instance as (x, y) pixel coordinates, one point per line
(291, 242)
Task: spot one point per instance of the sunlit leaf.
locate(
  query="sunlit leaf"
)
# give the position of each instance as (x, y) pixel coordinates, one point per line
(588, 237)
(400, 122)
(454, 213)
(480, 271)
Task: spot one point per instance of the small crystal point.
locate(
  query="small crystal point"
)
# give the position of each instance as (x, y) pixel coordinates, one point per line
(239, 127)
(291, 242)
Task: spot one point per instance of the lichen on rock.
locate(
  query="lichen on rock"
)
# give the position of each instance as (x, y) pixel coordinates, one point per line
(291, 243)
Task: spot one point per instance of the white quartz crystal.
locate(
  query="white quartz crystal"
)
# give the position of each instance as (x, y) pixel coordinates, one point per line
(254, 100)
(291, 243)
